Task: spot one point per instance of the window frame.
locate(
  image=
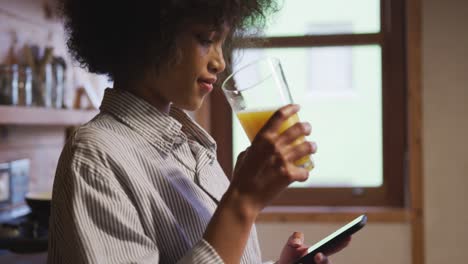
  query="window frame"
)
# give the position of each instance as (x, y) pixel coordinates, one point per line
(391, 39)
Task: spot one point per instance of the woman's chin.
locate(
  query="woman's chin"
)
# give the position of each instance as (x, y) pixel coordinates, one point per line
(192, 105)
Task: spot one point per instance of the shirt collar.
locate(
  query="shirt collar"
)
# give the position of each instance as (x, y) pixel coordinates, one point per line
(159, 128)
(194, 131)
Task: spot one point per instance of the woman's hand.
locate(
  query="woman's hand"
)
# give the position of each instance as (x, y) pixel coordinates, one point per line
(267, 167)
(295, 249)
(263, 171)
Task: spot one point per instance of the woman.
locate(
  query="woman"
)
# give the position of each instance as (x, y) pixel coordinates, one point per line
(140, 182)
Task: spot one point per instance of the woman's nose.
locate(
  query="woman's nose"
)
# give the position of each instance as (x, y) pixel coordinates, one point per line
(217, 64)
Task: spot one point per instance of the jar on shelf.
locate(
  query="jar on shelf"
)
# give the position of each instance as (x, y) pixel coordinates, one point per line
(24, 86)
(43, 82)
(9, 84)
(15, 85)
(59, 83)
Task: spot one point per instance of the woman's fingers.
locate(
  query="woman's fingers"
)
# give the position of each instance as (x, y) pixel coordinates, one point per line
(294, 153)
(278, 118)
(298, 130)
(296, 239)
(293, 173)
(321, 259)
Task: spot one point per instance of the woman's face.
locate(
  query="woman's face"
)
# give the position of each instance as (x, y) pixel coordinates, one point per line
(187, 81)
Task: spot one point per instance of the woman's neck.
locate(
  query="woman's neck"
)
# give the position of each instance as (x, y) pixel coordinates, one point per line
(146, 90)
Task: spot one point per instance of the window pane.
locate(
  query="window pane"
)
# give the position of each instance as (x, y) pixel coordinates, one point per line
(339, 89)
(318, 17)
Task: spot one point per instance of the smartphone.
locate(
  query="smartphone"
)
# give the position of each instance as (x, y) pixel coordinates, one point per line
(333, 239)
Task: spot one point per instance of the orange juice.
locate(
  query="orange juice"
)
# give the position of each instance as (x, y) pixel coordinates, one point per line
(253, 121)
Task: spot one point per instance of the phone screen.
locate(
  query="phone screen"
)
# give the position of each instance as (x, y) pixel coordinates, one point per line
(336, 233)
(330, 241)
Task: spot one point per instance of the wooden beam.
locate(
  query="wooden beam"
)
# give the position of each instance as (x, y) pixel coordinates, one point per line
(414, 60)
(333, 214)
(315, 41)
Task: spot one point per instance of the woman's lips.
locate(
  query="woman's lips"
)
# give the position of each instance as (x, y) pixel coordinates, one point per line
(206, 84)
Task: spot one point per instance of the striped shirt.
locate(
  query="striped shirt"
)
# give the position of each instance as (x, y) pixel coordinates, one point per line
(135, 185)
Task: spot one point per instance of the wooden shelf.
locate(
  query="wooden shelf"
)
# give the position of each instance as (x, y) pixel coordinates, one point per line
(18, 115)
(334, 214)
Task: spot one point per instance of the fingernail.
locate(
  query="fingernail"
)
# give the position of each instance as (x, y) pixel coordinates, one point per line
(297, 241)
(297, 236)
(314, 146)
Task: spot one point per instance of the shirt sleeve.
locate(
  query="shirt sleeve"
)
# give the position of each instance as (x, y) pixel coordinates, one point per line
(94, 221)
(202, 252)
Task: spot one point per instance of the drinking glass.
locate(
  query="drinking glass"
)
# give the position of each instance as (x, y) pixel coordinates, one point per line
(255, 92)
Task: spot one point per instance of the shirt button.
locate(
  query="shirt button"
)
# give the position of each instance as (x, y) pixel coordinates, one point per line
(178, 140)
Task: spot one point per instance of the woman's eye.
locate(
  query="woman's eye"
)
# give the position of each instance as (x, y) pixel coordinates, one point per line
(207, 42)
(204, 40)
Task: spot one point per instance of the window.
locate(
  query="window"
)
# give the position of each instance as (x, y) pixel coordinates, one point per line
(345, 65)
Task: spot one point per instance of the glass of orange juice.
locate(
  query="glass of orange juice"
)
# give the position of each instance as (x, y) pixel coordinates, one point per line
(255, 91)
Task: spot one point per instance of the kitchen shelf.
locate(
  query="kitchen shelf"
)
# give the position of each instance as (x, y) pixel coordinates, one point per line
(18, 115)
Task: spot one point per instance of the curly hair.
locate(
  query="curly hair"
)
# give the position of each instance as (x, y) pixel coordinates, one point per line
(123, 37)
